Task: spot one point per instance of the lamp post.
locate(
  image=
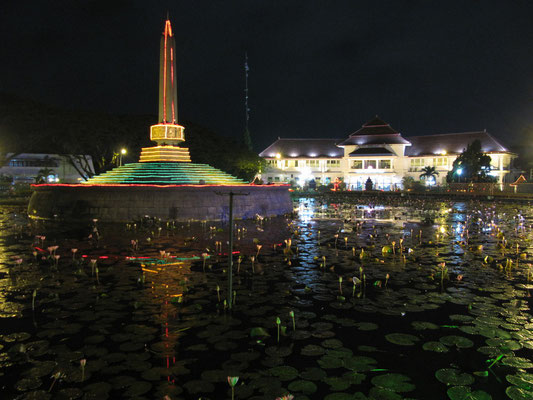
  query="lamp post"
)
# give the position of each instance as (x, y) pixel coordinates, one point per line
(459, 172)
(122, 153)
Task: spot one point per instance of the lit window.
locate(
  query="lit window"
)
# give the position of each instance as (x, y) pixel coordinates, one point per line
(370, 164)
(417, 163)
(385, 164)
(357, 164)
(440, 162)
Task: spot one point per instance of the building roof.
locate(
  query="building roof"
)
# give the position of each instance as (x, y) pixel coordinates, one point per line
(452, 143)
(375, 131)
(363, 140)
(303, 148)
(371, 151)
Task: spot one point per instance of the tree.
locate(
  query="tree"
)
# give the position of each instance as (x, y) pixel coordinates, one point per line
(43, 174)
(429, 173)
(472, 165)
(408, 182)
(248, 140)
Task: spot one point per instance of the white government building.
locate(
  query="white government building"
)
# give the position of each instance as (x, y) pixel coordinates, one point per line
(378, 152)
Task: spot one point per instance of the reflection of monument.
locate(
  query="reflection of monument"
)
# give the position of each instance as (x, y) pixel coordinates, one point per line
(164, 183)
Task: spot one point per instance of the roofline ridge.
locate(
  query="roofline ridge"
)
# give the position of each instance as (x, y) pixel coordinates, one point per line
(308, 138)
(450, 133)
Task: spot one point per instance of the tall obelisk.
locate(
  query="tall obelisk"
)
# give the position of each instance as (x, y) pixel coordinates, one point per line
(167, 133)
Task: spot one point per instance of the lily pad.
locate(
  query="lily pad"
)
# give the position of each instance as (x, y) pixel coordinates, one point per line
(199, 386)
(402, 339)
(517, 393)
(259, 332)
(313, 374)
(366, 326)
(284, 373)
(437, 347)
(522, 380)
(346, 396)
(312, 350)
(360, 363)
(305, 387)
(452, 376)
(337, 383)
(332, 343)
(459, 341)
(328, 362)
(378, 393)
(518, 362)
(395, 382)
(422, 325)
(464, 393)
(26, 384)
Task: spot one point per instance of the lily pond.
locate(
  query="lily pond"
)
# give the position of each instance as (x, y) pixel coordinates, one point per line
(420, 300)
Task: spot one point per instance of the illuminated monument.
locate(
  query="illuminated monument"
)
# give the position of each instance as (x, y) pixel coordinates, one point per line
(167, 133)
(164, 183)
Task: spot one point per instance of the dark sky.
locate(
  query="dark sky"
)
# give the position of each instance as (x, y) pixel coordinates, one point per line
(317, 68)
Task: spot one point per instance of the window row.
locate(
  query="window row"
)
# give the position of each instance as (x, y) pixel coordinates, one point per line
(371, 164)
(424, 162)
(32, 163)
(303, 163)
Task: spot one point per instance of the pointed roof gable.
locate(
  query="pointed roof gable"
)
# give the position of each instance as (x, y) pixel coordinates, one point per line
(375, 126)
(375, 131)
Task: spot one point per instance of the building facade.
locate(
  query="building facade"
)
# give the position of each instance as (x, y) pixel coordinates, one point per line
(379, 152)
(54, 168)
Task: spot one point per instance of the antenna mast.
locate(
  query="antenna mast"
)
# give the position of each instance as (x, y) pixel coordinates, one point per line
(246, 108)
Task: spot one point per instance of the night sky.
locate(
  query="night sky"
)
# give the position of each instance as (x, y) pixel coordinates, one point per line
(317, 68)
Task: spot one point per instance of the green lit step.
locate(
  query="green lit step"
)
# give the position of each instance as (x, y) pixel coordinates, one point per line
(165, 174)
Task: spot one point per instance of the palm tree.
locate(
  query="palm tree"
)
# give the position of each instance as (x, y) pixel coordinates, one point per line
(42, 175)
(429, 173)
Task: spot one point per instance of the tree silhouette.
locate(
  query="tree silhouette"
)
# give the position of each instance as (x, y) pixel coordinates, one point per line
(429, 173)
(473, 164)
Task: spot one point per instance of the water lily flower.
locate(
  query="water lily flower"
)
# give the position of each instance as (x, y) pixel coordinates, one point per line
(232, 380)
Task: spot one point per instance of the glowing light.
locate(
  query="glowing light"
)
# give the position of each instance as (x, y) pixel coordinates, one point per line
(305, 175)
(123, 151)
(165, 74)
(459, 171)
(294, 155)
(278, 156)
(172, 79)
(312, 154)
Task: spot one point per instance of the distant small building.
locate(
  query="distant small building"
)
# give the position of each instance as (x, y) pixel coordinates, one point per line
(379, 152)
(25, 167)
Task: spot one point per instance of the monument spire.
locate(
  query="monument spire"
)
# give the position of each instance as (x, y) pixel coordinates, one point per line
(168, 93)
(167, 133)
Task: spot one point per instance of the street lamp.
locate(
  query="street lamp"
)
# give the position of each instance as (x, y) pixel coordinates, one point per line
(459, 172)
(122, 153)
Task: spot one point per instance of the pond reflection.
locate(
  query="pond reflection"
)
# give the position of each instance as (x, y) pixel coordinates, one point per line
(342, 299)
